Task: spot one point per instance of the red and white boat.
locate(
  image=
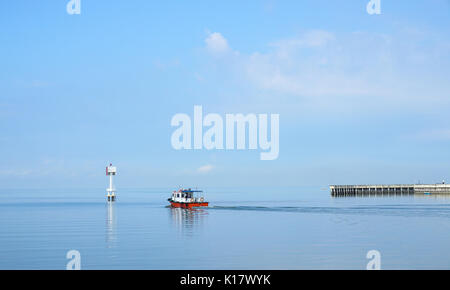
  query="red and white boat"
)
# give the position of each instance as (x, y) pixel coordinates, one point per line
(187, 198)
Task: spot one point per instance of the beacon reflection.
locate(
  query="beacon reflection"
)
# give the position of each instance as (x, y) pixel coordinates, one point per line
(110, 225)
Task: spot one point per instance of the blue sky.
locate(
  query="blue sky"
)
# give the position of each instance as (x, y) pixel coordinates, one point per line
(362, 98)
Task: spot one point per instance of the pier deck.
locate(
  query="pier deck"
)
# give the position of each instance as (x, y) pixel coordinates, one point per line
(395, 189)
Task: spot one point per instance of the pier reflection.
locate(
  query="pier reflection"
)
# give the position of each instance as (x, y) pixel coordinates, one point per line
(111, 235)
(187, 221)
(439, 196)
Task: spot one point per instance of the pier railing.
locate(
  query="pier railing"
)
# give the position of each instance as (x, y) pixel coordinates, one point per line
(396, 189)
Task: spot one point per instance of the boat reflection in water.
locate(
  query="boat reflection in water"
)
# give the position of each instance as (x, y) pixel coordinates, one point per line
(187, 221)
(111, 236)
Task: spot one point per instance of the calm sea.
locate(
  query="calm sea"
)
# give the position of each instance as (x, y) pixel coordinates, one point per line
(245, 228)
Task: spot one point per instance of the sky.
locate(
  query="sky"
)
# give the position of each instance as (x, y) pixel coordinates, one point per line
(361, 98)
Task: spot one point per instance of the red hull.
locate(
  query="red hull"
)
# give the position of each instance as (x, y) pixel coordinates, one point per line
(188, 205)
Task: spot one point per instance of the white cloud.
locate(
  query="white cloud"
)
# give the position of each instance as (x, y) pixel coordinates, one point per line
(313, 38)
(205, 169)
(216, 43)
(318, 64)
(323, 70)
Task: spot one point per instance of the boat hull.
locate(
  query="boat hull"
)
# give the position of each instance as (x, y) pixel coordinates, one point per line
(188, 204)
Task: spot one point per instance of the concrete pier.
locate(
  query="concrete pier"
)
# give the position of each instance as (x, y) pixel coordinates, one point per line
(395, 189)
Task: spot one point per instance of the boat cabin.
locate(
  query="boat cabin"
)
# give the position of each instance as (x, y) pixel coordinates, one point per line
(187, 195)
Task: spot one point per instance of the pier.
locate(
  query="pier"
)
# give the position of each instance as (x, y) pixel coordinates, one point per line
(395, 189)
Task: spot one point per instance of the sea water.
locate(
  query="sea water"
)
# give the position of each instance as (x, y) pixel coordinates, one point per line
(244, 228)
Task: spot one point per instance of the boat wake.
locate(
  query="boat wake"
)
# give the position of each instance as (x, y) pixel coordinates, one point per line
(390, 210)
